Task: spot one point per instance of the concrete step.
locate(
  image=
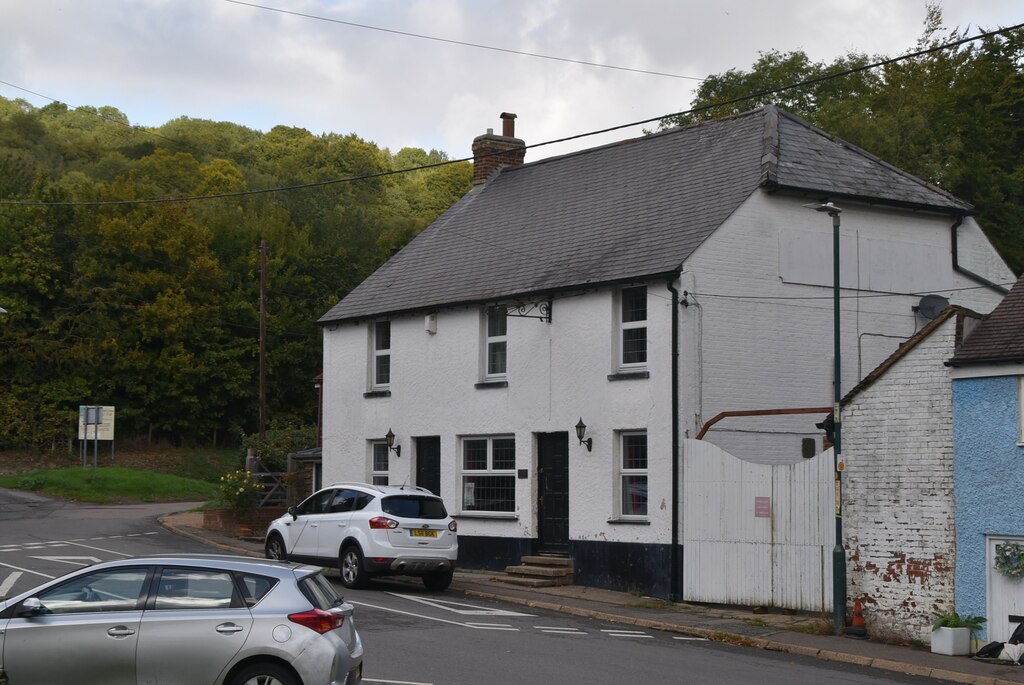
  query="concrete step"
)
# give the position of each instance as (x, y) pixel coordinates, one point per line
(547, 560)
(539, 571)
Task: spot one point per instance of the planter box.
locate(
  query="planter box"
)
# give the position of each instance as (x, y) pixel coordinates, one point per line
(951, 641)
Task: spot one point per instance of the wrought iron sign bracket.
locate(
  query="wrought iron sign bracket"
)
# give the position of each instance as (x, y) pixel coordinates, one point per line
(530, 310)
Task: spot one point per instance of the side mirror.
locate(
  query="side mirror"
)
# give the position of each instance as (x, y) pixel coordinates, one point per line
(291, 510)
(31, 607)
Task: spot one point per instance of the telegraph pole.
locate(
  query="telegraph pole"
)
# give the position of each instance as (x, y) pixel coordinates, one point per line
(263, 341)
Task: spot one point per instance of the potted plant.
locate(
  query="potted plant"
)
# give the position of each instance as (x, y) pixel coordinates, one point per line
(952, 633)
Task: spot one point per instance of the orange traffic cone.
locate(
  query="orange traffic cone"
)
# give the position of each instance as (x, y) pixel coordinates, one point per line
(856, 629)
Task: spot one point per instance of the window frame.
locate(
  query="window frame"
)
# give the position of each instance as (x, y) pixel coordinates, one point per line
(490, 340)
(622, 326)
(380, 476)
(622, 473)
(378, 353)
(488, 472)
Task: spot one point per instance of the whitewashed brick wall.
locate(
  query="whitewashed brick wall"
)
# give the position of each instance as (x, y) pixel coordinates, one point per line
(898, 492)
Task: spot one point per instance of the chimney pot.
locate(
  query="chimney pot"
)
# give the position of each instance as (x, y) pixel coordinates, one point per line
(508, 124)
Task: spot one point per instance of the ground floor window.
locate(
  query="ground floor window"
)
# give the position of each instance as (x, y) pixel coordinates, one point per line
(488, 474)
(632, 473)
(379, 464)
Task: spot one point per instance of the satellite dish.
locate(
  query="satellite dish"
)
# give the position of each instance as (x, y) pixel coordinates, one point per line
(930, 306)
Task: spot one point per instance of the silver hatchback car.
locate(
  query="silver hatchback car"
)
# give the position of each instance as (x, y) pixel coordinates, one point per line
(181, 620)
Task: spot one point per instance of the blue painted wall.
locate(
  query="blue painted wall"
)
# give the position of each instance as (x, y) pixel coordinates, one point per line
(988, 478)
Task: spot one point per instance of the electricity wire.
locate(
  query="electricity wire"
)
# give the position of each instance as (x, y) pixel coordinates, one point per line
(451, 41)
(693, 110)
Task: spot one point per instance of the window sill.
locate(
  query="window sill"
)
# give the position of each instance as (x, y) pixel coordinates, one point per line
(376, 393)
(484, 385)
(630, 522)
(629, 375)
(497, 516)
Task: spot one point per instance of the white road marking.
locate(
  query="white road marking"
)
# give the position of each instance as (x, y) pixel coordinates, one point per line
(409, 613)
(695, 639)
(627, 633)
(74, 561)
(27, 570)
(493, 626)
(562, 631)
(447, 605)
(9, 582)
(394, 682)
(101, 549)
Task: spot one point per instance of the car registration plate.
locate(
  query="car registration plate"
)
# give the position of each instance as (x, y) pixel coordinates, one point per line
(422, 533)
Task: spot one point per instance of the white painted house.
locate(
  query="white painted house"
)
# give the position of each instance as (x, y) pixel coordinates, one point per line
(643, 287)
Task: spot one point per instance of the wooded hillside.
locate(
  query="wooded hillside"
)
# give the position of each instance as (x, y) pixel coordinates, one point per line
(154, 308)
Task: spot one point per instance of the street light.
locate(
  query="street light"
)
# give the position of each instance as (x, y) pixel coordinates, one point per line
(838, 552)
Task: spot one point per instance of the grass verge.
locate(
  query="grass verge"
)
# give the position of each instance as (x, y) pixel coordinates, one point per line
(111, 485)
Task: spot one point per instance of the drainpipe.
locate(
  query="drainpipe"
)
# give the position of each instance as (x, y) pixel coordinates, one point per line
(676, 563)
(970, 274)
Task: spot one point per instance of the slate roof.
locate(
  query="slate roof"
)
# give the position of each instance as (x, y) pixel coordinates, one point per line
(630, 211)
(1000, 337)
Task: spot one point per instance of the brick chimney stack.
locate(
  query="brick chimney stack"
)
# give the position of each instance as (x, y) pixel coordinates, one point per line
(492, 152)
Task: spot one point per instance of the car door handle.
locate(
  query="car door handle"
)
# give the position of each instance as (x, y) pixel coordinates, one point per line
(120, 631)
(313, 525)
(229, 628)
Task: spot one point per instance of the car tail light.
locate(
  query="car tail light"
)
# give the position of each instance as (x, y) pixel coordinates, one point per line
(453, 526)
(383, 522)
(319, 620)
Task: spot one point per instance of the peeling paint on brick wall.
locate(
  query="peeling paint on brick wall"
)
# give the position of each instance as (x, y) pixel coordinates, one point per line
(898, 491)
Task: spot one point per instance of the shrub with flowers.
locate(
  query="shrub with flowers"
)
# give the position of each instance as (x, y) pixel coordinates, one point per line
(1010, 559)
(240, 490)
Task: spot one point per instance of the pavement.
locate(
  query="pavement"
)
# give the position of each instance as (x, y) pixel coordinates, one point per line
(779, 631)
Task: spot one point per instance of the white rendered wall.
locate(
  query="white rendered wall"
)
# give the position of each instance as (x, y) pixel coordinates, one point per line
(557, 373)
(762, 353)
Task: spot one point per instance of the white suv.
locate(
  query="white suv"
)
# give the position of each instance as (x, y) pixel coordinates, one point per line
(370, 530)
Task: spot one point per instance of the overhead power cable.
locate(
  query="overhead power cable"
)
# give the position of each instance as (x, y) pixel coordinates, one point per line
(451, 41)
(610, 129)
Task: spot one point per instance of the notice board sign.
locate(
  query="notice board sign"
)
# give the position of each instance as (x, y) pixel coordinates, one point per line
(763, 507)
(95, 422)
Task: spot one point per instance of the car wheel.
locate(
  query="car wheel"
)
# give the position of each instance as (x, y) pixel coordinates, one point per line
(353, 573)
(438, 580)
(275, 548)
(264, 674)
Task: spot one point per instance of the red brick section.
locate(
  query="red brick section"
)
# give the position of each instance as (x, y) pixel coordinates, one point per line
(492, 152)
(252, 524)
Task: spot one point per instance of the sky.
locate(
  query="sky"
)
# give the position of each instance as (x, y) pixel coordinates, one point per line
(157, 60)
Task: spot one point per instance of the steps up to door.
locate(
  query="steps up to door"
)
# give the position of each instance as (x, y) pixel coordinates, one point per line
(544, 570)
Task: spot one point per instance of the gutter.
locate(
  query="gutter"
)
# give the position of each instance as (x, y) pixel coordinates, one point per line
(676, 563)
(959, 269)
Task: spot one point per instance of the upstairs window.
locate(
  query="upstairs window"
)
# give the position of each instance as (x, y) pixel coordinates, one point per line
(633, 327)
(381, 362)
(496, 342)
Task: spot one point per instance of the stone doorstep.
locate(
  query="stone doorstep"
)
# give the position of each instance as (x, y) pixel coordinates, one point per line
(545, 560)
(540, 571)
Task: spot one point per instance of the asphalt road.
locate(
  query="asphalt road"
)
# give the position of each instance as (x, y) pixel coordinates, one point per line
(43, 538)
(414, 637)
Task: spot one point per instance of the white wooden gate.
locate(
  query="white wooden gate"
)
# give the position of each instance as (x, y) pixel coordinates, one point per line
(757, 534)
